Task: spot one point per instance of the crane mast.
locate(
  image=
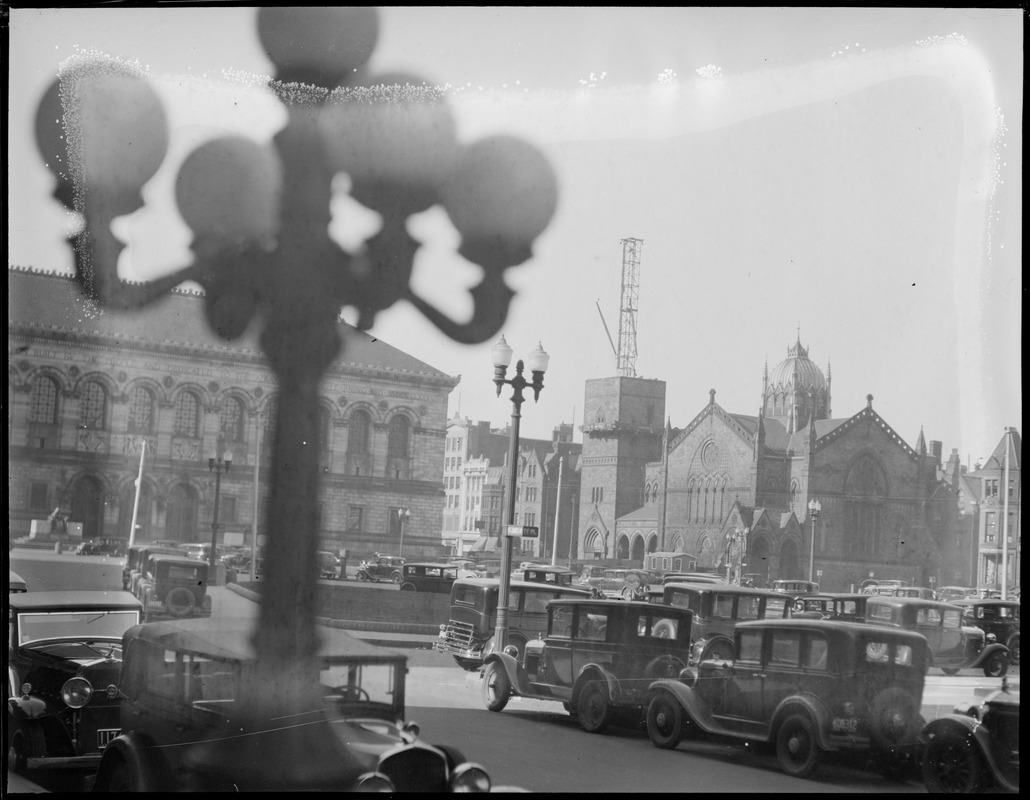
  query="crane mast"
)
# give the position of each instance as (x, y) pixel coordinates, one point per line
(627, 352)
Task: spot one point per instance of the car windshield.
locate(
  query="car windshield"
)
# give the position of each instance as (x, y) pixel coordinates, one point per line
(83, 624)
(346, 682)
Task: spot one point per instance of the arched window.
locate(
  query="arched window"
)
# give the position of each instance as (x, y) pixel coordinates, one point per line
(397, 443)
(233, 420)
(141, 410)
(43, 400)
(187, 415)
(359, 443)
(93, 407)
(324, 433)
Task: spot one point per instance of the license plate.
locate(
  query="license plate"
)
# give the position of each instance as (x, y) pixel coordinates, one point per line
(105, 735)
(845, 725)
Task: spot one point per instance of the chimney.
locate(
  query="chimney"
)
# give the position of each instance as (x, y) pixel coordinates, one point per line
(936, 450)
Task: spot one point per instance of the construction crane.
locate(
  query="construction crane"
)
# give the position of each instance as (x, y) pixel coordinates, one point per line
(626, 352)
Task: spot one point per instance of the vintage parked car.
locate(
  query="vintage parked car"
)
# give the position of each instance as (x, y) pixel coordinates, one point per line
(102, 547)
(807, 686)
(953, 644)
(976, 748)
(693, 577)
(184, 727)
(64, 665)
(598, 659)
(429, 576)
(329, 565)
(136, 558)
(847, 607)
(999, 618)
(198, 550)
(469, 633)
(612, 582)
(173, 586)
(919, 592)
(795, 587)
(718, 607)
(872, 586)
(949, 594)
(16, 583)
(558, 576)
(381, 568)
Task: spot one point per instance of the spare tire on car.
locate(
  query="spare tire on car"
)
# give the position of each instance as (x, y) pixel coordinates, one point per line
(180, 601)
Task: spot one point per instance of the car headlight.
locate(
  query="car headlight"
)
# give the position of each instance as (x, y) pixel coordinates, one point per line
(470, 778)
(991, 638)
(76, 692)
(373, 782)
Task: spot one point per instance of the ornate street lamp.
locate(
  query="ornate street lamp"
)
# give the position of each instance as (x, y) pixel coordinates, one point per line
(402, 515)
(814, 507)
(261, 250)
(218, 465)
(538, 360)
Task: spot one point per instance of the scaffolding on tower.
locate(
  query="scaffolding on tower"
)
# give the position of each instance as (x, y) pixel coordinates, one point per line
(627, 353)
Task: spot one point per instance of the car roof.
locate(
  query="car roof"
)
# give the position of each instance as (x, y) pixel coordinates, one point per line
(889, 600)
(14, 579)
(39, 601)
(488, 582)
(587, 602)
(548, 568)
(986, 601)
(796, 623)
(443, 564)
(726, 587)
(232, 639)
(167, 558)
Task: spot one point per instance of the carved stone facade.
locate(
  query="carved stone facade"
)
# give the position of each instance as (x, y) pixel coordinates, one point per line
(86, 387)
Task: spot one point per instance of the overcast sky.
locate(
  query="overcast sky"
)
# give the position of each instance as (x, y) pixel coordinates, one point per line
(852, 173)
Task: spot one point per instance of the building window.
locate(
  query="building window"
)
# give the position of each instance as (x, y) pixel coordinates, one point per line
(355, 518)
(397, 443)
(187, 416)
(141, 411)
(232, 420)
(227, 509)
(39, 496)
(93, 411)
(43, 401)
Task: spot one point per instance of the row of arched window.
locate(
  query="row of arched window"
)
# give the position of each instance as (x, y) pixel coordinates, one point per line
(95, 405)
(707, 502)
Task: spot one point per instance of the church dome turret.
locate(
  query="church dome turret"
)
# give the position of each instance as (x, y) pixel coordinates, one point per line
(795, 391)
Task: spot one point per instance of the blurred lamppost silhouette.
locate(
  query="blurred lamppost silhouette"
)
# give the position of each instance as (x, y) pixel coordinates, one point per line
(538, 360)
(261, 250)
(216, 464)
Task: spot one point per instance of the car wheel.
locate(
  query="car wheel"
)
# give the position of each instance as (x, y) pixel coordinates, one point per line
(952, 764)
(362, 576)
(396, 577)
(180, 601)
(665, 629)
(665, 721)
(123, 778)
(17, 755)
(593, 709)
(796, 750)
(996, 665)
(949, 670)
(719, 649)
(407, 587)
(496, 687)
(467, 664)
(1013, 645)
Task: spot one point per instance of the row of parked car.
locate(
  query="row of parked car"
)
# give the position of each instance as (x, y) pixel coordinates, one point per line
(147, 706)
(724, 661)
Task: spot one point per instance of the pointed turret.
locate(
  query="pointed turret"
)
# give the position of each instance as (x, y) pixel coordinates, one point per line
(921, 442)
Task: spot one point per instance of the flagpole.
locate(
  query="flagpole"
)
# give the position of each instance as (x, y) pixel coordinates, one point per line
(557, 513)
(139, 486)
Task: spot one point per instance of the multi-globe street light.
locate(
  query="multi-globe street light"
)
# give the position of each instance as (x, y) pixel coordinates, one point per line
(218, 465)
(538, 360)
(814, 507)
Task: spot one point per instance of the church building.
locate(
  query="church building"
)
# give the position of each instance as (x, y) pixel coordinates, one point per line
(728, 478)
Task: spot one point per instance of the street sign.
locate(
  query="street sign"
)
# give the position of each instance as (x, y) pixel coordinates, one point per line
(525, 531)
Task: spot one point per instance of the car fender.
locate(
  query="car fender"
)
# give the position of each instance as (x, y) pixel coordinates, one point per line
(145, 759)
(27, 707)
(600, 671)
(517, 677)
(989, 651)
(695, 707)
(806, 704)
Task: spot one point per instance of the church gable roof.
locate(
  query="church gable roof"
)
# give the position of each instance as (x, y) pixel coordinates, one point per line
(52, 303)
(866, 414)
(741, 425)
(997, 458)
